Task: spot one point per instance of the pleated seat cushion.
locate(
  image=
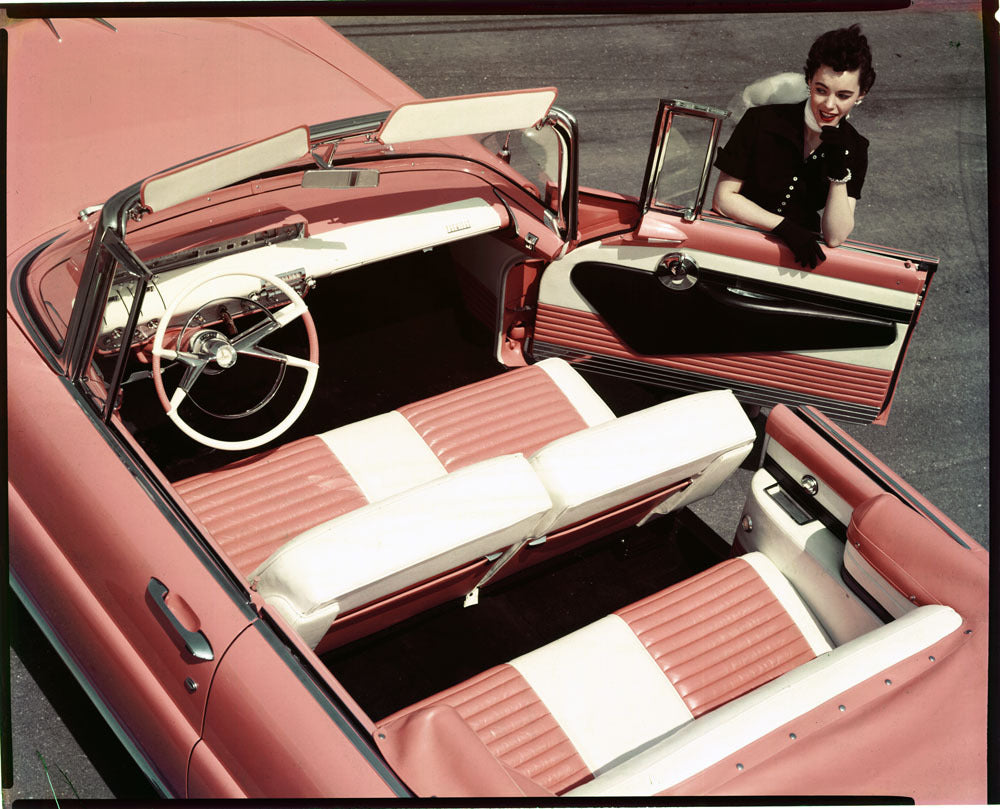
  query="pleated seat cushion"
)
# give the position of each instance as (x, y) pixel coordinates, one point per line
(565, 712)
(256, 505)
(398, 542)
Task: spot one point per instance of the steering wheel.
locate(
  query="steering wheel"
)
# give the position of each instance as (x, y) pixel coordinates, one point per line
(209, 345)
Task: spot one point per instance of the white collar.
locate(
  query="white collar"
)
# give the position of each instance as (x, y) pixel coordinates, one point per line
(811, 121)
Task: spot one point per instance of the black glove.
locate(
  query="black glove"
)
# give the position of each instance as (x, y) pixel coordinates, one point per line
(834, 140)
(804, 245)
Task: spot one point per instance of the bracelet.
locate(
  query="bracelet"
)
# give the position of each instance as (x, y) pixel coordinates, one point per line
(846, 179)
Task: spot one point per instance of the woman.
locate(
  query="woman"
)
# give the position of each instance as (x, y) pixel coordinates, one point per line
(786, 162)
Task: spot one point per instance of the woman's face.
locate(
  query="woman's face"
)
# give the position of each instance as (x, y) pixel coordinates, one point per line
(832, 95)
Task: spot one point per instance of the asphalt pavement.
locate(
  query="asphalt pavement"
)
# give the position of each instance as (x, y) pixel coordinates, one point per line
(926, 191)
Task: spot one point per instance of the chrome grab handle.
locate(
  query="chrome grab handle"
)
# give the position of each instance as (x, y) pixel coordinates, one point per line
(195, 642)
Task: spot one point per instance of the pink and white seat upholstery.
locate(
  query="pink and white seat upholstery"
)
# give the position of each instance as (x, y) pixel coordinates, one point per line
(254, 506)
(402, 540)
(651, 695)
(338, 521)
(565, 712)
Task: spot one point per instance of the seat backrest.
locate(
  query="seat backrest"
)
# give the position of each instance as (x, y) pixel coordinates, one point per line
(386, 546)
(612, 463)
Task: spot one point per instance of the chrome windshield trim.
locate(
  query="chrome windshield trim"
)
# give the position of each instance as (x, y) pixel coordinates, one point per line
(567, 128)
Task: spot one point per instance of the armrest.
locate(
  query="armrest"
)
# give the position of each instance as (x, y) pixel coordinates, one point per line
(438, 755)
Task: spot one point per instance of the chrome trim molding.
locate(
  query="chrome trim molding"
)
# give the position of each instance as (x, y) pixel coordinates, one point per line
(691, 382)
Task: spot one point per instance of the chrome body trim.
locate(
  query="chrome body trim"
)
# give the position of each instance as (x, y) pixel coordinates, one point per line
(689, 382)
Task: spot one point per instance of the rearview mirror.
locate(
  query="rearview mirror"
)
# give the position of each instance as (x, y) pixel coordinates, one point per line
(340, 178)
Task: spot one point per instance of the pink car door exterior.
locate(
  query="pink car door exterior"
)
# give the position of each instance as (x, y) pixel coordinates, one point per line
(694, 302)
(105, 568)
(273, 729)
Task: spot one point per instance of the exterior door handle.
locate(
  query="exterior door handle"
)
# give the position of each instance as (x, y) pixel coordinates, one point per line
(195, 642)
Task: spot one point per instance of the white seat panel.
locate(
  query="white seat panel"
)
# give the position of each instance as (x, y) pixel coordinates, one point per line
(384, 455)
(604, 466)
(604, 689)
(386, 546)
(588, 404)
(791, 602)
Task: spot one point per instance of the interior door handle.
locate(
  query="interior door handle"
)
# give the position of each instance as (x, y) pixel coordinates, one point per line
(195, 642)
(756, 302)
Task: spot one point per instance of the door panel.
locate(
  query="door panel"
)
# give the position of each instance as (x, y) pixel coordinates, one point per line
(653, 317)
(86, 540)
(695, 301)
(739, 318)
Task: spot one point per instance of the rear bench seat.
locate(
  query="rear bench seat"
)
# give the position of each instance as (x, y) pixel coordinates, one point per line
(646, 698)
(351, 493)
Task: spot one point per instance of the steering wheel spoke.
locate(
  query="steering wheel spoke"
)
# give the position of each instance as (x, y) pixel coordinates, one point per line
(191, 374)
(243, 343)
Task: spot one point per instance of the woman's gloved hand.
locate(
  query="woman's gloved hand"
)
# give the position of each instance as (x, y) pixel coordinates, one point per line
(834, 140)
(804, 245)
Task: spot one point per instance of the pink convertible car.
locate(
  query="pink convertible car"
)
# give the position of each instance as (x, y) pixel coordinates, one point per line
(351, 444)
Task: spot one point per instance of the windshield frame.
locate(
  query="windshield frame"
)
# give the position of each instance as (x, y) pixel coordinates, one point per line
(108, 254)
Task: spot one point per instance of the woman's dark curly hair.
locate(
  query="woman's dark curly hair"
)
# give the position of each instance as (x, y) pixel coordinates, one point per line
(843, 49)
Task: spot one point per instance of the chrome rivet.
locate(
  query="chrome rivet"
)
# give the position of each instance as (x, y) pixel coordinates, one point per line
(810, 484)
(381, 735)
(888, 682)
(795, 179)
(190, 685)
(739, 767)
(968, 631)
(931, 658)
(913, 599)
(792, 736)
(841, 708)
(746, 523)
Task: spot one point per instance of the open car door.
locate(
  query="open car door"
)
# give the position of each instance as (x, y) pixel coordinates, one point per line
(695, 301)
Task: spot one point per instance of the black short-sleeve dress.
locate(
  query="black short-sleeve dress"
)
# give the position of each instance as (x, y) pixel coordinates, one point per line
(765, 152)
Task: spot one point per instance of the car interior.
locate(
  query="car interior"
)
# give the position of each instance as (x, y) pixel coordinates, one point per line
(497, 563)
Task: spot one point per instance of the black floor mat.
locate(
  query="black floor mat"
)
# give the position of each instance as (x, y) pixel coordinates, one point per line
(435, 650)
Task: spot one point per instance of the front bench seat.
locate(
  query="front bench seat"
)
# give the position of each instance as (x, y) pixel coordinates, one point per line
(254, 506)
(384, 547)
